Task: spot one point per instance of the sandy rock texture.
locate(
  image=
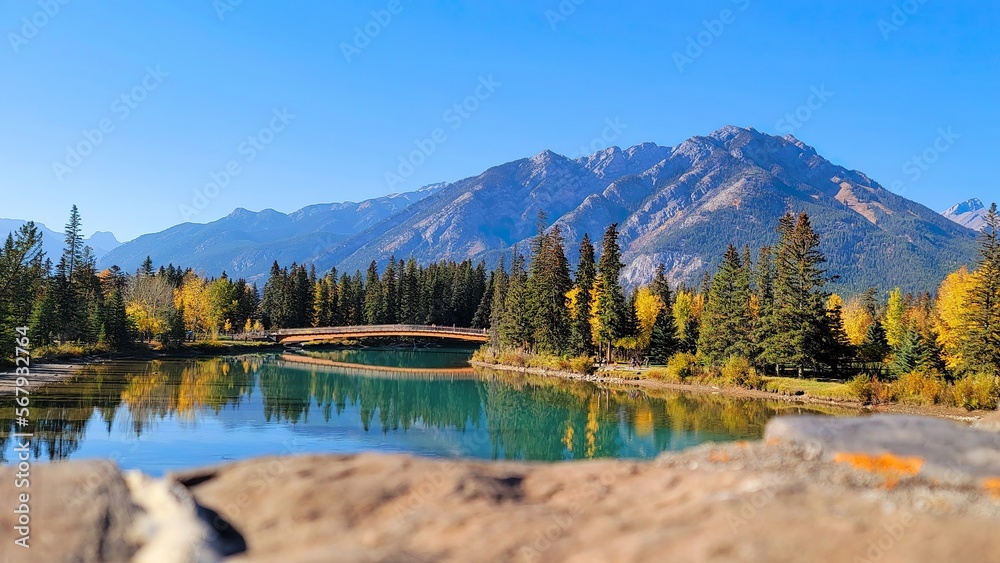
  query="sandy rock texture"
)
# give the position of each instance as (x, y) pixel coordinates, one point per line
(883, 488)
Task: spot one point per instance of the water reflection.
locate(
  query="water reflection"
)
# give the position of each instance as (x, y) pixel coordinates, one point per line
(168, 414)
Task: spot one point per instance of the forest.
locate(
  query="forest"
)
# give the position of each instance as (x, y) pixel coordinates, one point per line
(765, 310)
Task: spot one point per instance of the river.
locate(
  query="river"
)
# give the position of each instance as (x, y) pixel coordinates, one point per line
(165, 415)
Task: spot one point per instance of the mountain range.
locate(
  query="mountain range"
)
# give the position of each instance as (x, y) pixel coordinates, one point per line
(971, 214)
(677, 205)
(100, 242)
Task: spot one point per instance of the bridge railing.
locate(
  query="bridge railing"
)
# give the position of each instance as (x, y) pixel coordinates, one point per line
(376, 329)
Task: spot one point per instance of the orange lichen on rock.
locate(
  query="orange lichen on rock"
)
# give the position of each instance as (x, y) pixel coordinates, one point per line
(992, 486)
(719, 457)
(891, 467)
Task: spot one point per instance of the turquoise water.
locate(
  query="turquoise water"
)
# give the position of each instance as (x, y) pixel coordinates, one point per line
(172, 414)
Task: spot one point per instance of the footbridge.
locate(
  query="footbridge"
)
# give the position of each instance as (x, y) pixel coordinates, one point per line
(298, 335)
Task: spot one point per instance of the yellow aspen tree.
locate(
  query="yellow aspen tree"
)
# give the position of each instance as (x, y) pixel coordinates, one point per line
(857, 320)
(895, 318)
(951, 310)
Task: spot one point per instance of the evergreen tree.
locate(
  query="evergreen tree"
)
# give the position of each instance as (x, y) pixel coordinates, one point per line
(664, 343)
(548, 283)
(727, 312)
(581, 340)
(610, 298)
(501, 281)
(795, 329)
(373, 296)
(981, 342)
(390, 293)
(875, 347)
(515, 323)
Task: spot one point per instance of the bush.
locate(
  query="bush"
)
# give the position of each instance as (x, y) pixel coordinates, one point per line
(920, 388)
(976, 392)
(582, 364)
(681, 366)
(862, 388)
(738, 371)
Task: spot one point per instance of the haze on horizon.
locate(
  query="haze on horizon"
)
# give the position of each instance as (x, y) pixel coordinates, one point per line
(129, 111)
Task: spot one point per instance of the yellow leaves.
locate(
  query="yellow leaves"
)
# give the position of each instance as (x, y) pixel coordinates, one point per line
(857, 320)
(895, 318)
(647, 307)
(952, 308)
(572, 297)
(145, 321)
(687, 309)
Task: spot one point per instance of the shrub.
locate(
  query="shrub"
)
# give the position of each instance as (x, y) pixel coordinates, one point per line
(919, 388)
(862, 389)
(681, 366)
(738, 371)
(976, 392)
(582, 364)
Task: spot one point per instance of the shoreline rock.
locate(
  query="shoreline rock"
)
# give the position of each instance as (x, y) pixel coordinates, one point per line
(819, 488)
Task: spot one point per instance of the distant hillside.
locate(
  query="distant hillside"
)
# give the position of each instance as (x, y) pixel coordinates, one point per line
(245, 243)
(52, 242)
(971, 214)
(679, 206)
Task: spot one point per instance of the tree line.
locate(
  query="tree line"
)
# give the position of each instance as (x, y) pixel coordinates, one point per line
(769, 307)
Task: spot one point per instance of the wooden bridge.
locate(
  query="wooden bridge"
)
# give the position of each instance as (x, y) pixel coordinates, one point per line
(293, 335)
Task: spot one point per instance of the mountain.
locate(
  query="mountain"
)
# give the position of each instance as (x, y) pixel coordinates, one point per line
(245, 243)
(52, 242)
(679, 206)
(971, 214)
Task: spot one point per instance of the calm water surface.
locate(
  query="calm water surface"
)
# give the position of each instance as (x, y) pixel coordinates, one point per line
(165, 415)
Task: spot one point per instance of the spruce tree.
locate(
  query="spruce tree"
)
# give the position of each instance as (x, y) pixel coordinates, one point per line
(548, 283)
(727, 312)
(610, 298)
(981, 342)
(515, 323)
(581, 340)
(795, 329)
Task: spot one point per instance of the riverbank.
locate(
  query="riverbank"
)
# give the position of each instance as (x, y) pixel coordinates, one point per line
(881, 488)
(45, 371)
(633, 377)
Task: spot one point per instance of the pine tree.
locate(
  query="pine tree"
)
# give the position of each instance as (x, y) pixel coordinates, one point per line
(980, 344)
(501, 281)
(548, 283)
(515, 323)
(373, 296)
(875, 347)
(664, 343)
(727, 312)
(390, 293)
(795, 328)
(581, 340)
(610, 298)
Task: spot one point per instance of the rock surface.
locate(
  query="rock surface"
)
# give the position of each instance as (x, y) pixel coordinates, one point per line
(80, 511)
(817, 490)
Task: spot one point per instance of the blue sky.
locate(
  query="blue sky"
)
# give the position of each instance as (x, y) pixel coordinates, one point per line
(264, 104)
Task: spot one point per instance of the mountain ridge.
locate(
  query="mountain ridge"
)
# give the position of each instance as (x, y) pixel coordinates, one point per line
(680, 205)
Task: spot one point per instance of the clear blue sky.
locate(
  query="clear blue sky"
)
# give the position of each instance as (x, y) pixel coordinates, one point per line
(557, 78)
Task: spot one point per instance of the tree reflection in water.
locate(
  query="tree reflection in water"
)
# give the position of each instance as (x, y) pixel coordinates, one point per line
(510, 415)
